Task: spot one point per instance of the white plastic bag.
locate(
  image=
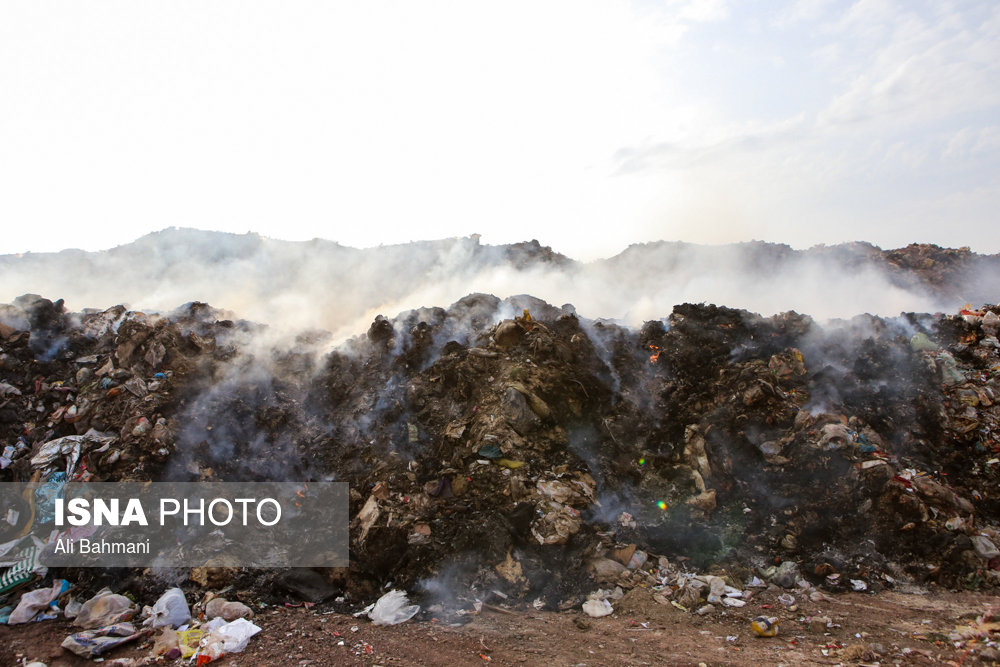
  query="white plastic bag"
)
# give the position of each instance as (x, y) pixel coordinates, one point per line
(226, 638)
(92, 643)
(73, 608)
(35, 602)
(171, 610)
(105, 608)
(393, 608)
(597, 608)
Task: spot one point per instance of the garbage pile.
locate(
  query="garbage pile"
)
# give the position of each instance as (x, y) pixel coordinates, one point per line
(508, 450)
(214, 628)
(860, 450)
(88, 395)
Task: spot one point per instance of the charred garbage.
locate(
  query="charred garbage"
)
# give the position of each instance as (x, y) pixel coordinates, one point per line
(509, 450)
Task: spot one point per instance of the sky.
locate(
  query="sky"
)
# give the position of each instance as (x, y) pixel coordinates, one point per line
(586, 125)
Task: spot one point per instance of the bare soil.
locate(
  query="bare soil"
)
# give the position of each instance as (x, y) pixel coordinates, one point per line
(889, 628)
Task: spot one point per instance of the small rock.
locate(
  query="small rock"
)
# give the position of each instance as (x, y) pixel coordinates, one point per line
(819, 623)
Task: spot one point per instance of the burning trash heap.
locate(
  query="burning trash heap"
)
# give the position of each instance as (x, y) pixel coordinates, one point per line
(511, 452)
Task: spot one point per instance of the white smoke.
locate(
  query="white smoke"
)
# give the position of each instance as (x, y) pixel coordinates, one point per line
(292, 286)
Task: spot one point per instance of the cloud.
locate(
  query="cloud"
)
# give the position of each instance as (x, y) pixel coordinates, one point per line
(915, 68)
(970, 142)
(800, 11)
(898, 105)
(729, 140)
(380, 123)
(700, 11)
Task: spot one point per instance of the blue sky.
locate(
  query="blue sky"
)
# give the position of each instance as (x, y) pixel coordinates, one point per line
(586, 125)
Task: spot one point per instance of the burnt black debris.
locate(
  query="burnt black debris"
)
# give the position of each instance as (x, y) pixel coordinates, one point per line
(513, 448)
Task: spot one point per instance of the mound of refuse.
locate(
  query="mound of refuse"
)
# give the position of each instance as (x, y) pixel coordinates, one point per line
(511, 450)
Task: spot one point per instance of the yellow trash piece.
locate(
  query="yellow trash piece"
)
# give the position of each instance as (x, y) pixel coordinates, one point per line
(765, 626)
(189, 640)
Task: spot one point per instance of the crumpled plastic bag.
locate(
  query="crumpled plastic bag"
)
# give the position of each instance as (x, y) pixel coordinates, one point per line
(46, 495)
(597, 608)
(228, 611)
(92, 643)
(557, 525)
(70, 447)
(168, 640)
(189, 641)
(225, 638)
(22, 565)
(73, 608)
(171, 610)
(716, 588)
(392, 608)
(35, 602)
(176, 643)
(105, 608)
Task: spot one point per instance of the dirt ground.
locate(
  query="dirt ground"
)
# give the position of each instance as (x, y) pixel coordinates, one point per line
(889, 628)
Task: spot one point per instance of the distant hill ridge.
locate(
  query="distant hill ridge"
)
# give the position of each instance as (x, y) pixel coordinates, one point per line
(323, 283)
